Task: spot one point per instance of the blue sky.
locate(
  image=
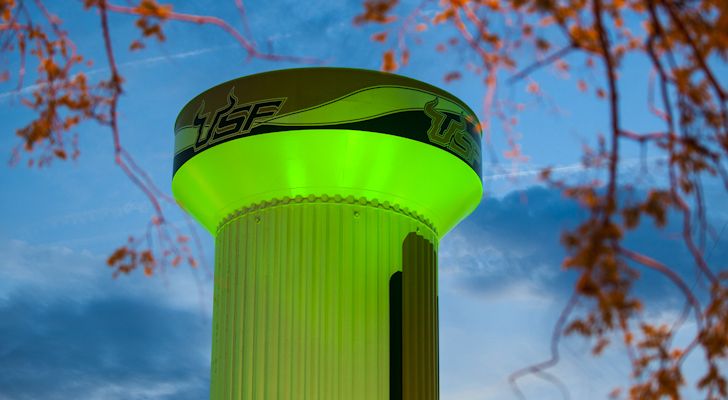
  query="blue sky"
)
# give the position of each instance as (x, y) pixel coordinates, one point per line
(68, 330)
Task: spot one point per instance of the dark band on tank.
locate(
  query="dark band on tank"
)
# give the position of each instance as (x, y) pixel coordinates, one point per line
(304, 88)
(408, 124)
(255, 104)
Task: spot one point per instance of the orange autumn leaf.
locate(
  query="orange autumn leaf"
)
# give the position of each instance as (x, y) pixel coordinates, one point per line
(379, 37)
(546, 21)
(533, 87)
(6, 9)
(153, 9)
(117, 255)
(376, 11)
(542, 44)
(562, 66)
(60, 153)
(494, 5)
(136, 45)
(404, 57)
(582, 85)
(388, 62)
(444, 16)
(452, 76)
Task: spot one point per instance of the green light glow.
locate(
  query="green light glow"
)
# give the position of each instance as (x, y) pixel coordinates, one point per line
(429, 181)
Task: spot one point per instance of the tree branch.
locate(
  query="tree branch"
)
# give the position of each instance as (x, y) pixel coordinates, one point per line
(249, 47)
(613, 107)
(699, 57)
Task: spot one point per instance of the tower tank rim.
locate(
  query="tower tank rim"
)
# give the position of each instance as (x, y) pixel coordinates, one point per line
(388, 75)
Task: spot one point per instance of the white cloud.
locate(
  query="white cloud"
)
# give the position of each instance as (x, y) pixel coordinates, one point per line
(483, 342)
(138, 390)
(53, 273)
(71, 331)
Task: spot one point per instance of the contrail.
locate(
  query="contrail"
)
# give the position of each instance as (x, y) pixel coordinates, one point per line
(533, 172)
(135, 63)
(625, 164)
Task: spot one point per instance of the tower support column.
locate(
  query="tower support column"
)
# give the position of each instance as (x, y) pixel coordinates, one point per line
(325, 298)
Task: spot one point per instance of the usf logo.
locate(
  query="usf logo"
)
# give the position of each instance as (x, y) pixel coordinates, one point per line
(232, 119)
(451, 133)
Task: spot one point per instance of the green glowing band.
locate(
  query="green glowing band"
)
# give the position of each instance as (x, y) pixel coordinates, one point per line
(327, 131)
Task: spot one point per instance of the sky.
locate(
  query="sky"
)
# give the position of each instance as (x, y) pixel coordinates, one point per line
(69, 330)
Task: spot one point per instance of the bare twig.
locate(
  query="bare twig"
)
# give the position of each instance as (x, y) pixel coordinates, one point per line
(244, 19)
(550, 59)
(645, 137)
(556, 335)
(671, 275)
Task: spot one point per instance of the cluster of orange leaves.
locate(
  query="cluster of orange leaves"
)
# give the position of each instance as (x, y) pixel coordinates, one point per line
(63, 96)
(683, 42)
(127, 258)
(151, 15)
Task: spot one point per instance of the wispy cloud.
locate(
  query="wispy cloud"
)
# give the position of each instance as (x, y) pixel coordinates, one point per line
(513, 243)
(98, 214)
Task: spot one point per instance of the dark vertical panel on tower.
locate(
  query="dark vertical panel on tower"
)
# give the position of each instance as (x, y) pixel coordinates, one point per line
(419, 319)
(395, 336)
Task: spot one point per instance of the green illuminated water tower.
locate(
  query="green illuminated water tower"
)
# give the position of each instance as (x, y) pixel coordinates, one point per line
(327, 191)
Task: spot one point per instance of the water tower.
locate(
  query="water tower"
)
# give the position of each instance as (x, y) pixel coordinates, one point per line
(327, 191)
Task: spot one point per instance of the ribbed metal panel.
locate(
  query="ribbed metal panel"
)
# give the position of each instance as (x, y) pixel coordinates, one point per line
(301, 304)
